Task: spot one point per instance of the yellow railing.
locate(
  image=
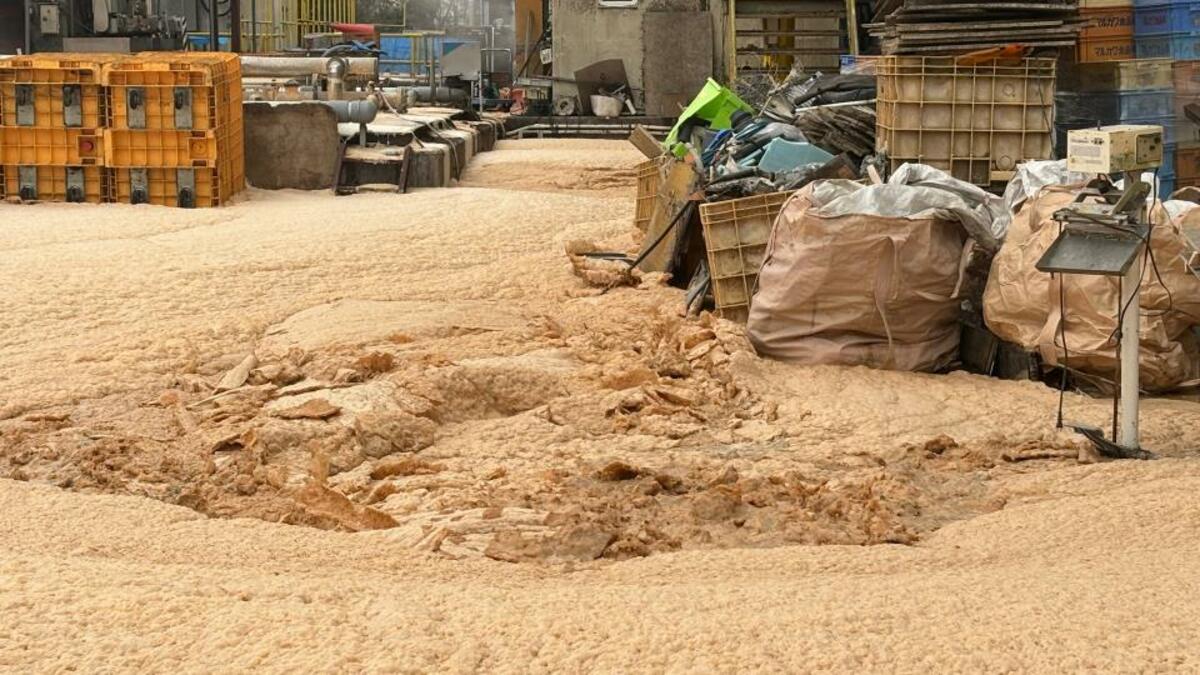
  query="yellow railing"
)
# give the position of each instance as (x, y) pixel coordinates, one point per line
(273, 25)
(316, 16)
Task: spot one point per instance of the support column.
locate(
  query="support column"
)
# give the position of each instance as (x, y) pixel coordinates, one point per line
(1130, 348)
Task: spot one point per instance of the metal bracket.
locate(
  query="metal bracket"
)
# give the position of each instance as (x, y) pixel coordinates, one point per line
(27, 183)
(26, 116)
(72, 97)
(139, 186)
(185, 188)
(183, 107)
(135, 103)
(76, 189)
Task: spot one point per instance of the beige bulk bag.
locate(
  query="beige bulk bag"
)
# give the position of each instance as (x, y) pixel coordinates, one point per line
(859, 289)
(1021, 304)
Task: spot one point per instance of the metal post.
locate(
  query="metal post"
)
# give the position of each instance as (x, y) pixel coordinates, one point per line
(214, 33)
(254, 26)
(235, 25)
(29, 10)
(731, 48)
(1130, 349)
(434, 44)
(852, 25)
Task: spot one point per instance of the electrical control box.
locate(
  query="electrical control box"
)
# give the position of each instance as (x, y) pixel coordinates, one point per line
(1115, 149)
(48, 19)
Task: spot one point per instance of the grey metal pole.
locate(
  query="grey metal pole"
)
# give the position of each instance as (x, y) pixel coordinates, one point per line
(214, 33)
(28, 4)
(235, 26)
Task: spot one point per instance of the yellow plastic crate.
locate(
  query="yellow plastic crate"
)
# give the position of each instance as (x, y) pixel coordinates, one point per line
(49, 80)
(735, 234)
(153, 90)
(51, 146)
(649, 178)
(53, 183)
(210, 187)
(161, 148)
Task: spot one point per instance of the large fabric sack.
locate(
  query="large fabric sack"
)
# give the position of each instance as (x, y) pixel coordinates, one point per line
(1022, 305)
(857, 289)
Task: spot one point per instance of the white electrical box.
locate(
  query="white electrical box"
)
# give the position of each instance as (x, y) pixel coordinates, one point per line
(48, 23)
(1115, 149)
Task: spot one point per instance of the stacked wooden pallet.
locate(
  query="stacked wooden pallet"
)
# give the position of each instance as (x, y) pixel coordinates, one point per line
(943, 26)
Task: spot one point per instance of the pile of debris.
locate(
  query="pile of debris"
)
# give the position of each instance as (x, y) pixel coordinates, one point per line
(708, 196)
(942, 26)
(764, 218)
(834, 111)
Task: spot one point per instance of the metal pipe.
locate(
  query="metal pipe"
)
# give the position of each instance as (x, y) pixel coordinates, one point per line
(335, 70)
(362, 111)
(300, 66)
(254, 26)
(439, 95)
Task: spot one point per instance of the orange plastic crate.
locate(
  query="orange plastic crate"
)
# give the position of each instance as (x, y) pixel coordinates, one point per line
(212, 81)
(162, 148)
(51, 146)
(213, 187)
(52, 182)
(46, 75)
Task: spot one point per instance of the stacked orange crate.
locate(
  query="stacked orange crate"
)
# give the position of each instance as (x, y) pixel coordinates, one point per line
(174, 133)
(1107, 33)
(52, 109)
(1187, 96)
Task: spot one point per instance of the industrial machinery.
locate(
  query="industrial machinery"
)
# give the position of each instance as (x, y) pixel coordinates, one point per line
(1106, 231)
(114, 26)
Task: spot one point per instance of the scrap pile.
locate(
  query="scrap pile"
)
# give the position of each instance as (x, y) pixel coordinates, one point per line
(833, 111)
(805, 123)
(764, 219)
(944, 26)
(708, 198)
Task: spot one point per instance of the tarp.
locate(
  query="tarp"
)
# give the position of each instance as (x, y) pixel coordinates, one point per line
(1022, 305)
(869, 275)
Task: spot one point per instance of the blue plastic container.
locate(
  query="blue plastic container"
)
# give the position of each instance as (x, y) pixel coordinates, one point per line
(1178, 46)
(1117, 106)
(398, 48)
(1166, 18)
(199, 43)
(1167, 170)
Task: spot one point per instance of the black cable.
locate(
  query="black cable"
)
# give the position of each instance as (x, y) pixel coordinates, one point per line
(1153, 261)
(1147, 256)
(687, 208)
